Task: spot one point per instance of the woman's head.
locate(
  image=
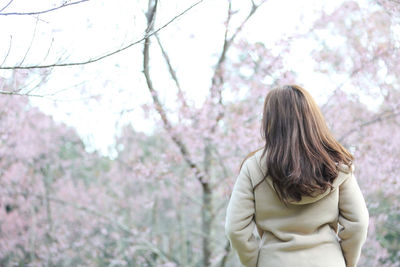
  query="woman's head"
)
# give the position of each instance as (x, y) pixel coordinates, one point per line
(302, 155)
(291, 111)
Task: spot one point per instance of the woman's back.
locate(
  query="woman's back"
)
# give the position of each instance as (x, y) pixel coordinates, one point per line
(296, 231)
(300, 233)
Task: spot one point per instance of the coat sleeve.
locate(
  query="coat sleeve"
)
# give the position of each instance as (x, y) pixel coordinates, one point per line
(239, 223)
(354, 217)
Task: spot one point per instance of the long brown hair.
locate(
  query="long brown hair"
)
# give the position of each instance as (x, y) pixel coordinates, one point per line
(302, 155)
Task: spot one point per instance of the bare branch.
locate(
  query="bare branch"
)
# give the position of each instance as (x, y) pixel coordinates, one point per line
(1, 10)
(253, 10)
(8, 51)
(48, 96)
(92, 60)
(23, 86)
(19, 89)
(218, 76)
(167, 125)
(217, 79)
(168, 61)
(48, 50)
(382, 117)
(65, 4)
(44, 79)
(18, 94)
(64, 89)
(151, 15)
(30, 45)
(171, 70)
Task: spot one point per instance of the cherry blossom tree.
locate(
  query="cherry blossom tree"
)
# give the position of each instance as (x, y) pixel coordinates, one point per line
(367, 58)
(161, 201)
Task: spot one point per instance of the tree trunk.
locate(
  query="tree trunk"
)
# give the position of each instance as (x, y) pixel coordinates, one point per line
(206, 223)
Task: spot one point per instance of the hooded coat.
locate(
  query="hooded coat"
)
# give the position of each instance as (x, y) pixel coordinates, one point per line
(327, 230)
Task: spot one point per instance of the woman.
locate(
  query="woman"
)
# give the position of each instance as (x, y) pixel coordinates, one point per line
(298, 191)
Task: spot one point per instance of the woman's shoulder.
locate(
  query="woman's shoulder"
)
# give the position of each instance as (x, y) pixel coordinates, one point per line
(255, 166)
(256, 161)
(345, 168)
(344, 172)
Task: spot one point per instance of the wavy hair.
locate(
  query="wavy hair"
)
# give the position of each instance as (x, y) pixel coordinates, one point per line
(303, 157)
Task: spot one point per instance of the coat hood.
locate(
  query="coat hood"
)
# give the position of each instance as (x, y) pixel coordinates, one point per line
(344, 173)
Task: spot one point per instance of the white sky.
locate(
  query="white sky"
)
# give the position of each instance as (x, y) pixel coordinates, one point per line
(193, 41)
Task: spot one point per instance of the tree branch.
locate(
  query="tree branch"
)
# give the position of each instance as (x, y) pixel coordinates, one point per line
(8, 51)
(171, 70)
(40, 12)
(167, 125)
(382, 117)
(92, 60)
(229, 41)
(30, 45)
(18, 94)
(215, 81)
(1, 10)
(218, 76)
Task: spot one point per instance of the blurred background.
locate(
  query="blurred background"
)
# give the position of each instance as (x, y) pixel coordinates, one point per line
(123, 123)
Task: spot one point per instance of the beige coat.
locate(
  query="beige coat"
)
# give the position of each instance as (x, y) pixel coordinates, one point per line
(304, 234)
